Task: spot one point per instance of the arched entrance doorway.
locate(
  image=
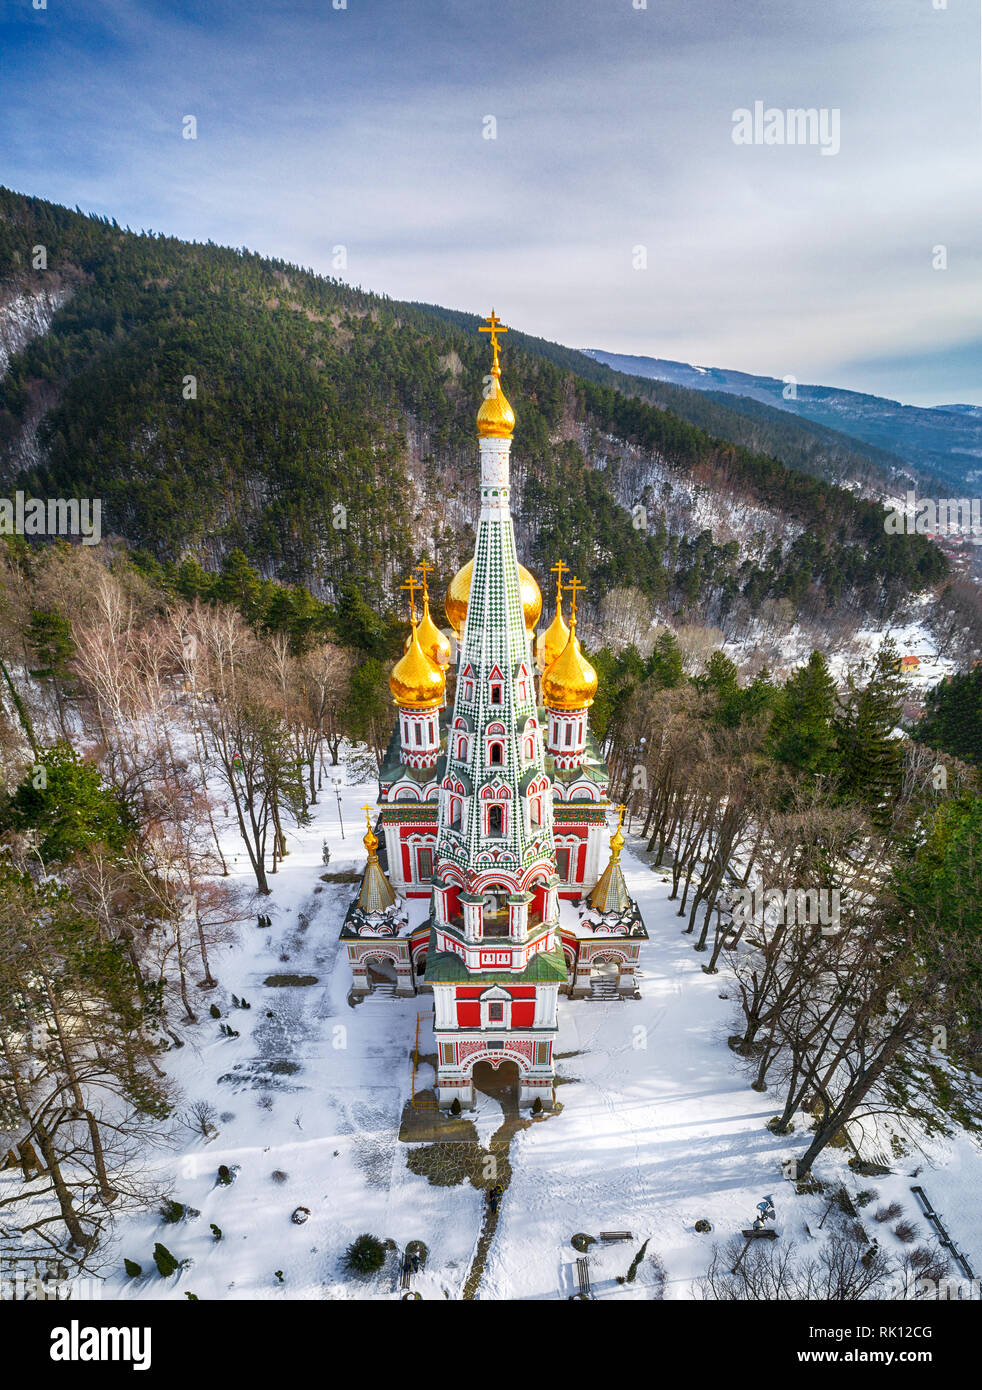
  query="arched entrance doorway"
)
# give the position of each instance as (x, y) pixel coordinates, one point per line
(605, 978)
(380, 971)
(501, 1082)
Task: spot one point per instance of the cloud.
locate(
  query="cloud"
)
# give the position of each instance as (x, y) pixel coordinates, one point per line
(364, 127)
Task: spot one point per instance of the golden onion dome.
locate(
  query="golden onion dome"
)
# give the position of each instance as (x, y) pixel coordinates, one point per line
(570, 682)
(459, 592)
(495, 419)
(434, 644)
(415, 682)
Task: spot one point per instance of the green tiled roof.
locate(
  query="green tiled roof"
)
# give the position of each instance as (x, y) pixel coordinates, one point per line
(545, 967)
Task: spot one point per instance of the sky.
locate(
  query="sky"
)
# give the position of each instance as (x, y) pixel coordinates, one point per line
(612, 209)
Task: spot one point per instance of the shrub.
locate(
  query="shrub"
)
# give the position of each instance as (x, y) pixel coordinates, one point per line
(171, 1212)
(864, 1198)
(537, 1106)
(216, 1231)
(632, 1272)
(905, 1231)
(455, 1106)
(133, 1269)
(889, 1213)
(278, 1175)
(164, 1260)
(365, 1255)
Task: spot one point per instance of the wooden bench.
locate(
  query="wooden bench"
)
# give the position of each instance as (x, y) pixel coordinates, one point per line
(406, 1274)
(616, 1235)
(583, 1277)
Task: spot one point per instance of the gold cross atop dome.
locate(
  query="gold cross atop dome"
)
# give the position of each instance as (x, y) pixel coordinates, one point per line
(412, 584)
(494, 326)
(424, 568)
(574, 587)
(495, 419)
(369, 840)
(557, 635)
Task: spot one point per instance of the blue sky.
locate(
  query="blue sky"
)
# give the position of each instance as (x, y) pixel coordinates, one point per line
(363, 127)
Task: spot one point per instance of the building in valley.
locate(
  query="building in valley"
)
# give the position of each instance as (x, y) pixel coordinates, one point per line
(493, 813)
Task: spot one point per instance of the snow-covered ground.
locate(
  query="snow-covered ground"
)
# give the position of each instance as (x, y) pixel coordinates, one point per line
(658, 1129)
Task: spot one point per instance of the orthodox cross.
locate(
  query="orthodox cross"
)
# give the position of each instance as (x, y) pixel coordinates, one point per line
(573, 587)
(494, 326)
(412, 584)
(559, 569)
(368, 808)
(424, 568)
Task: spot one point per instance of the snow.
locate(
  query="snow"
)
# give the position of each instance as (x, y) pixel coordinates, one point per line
(658, 1126)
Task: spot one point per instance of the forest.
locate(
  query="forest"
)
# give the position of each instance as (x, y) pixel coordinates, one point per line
(139, 700)
(215, 400)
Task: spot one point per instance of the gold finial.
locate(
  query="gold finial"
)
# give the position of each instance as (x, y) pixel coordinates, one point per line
(559, 569)
(369, 839)
(494, 326)
(617, 839)
(412, 584)
(557, 635)
(495, 419)
(573, 587)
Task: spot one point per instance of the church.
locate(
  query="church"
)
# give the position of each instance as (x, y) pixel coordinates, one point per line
(489, 879)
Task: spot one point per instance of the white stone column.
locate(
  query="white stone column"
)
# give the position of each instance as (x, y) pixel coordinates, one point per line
(518, 916)
(473, 906)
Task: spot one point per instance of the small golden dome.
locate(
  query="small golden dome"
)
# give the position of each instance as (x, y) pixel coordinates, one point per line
(495, 419)
(415, 682)
(459, 592)
(434, 644)
(570, 682)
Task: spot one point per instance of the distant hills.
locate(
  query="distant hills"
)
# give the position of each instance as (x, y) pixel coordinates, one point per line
(944, 441)
(216, 400)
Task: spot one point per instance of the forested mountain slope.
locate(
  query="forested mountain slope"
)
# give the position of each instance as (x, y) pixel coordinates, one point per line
(216, 399)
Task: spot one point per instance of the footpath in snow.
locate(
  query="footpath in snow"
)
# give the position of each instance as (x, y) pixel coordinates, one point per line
(659, 1127)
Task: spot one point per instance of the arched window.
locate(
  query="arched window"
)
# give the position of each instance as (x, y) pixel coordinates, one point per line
(496, 820)
(497, 754)
(529, 749)
(569, 734)
(535, 810)
(419, 734)
(455, 811)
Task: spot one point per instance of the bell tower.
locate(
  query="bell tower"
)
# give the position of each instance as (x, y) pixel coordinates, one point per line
(495, 962)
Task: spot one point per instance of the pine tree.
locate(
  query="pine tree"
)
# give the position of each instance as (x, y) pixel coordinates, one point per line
(802, 732)
(870, 753)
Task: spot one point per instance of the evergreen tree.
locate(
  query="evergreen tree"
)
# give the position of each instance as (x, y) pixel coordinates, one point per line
(869, 751)
(952, 718)
(64, 801)
(802, 732)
